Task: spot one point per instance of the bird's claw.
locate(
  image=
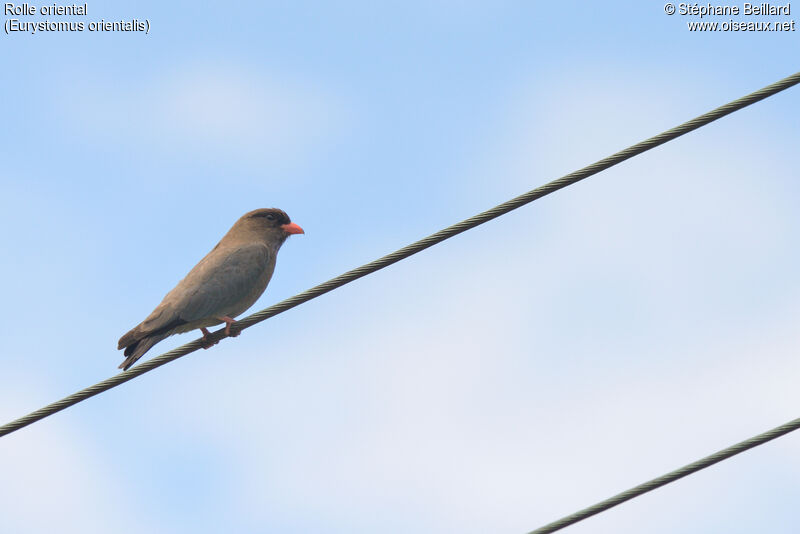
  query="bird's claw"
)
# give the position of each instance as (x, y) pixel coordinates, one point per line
(228, 322)
(207, 343)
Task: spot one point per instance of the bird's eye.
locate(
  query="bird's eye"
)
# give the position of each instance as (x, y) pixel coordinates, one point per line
(270, 217)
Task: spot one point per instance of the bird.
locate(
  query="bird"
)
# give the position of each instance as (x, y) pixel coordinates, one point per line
(225, 283)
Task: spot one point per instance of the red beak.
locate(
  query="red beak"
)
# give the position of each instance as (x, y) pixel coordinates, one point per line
(292, 228)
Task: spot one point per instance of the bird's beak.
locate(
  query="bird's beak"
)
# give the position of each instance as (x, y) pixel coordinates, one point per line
(292, 228)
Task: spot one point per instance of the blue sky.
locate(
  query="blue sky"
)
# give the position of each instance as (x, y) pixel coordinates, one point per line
(595, 339)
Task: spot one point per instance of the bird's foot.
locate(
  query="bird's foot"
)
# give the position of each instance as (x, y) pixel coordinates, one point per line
(207, 343)
(228, 322)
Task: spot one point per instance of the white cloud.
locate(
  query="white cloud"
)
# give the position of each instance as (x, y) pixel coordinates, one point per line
(210, 109)
(56, 480)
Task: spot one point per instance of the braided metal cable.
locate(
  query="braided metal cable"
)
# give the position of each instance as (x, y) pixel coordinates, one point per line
(407, 251)
(686, 470)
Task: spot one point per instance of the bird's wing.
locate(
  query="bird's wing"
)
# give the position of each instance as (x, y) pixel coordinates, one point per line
(222, 282)
(227, 281)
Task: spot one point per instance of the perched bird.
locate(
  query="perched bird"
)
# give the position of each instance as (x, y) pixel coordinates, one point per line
(224, 284)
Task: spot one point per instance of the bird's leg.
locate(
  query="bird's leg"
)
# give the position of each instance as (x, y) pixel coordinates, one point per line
(207, 344)
(228, 322)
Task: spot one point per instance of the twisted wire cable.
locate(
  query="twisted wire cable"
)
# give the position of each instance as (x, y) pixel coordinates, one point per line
(672, 476)
(406, 251)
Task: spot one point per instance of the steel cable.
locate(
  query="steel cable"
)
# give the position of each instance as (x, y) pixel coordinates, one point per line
(672, 476)
(406, 251)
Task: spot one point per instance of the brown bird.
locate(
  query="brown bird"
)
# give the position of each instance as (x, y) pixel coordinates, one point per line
(224, 284)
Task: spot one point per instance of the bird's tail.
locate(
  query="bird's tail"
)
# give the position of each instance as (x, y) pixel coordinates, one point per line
(136, 349)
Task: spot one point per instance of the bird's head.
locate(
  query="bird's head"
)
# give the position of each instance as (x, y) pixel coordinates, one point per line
(271, 224)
